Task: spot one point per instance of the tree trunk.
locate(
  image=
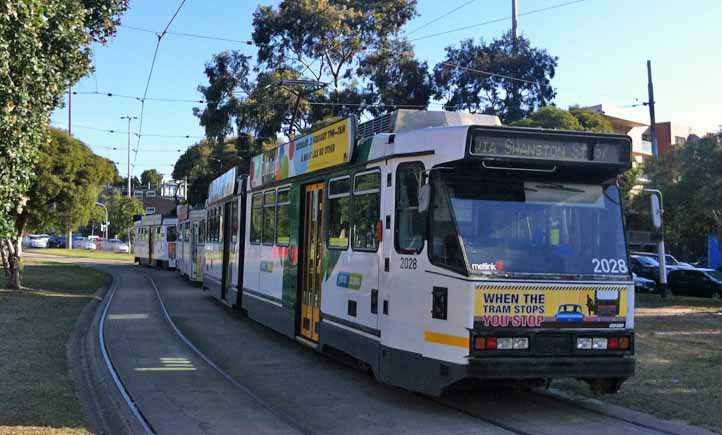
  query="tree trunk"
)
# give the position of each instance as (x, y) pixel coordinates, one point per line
(12, 252)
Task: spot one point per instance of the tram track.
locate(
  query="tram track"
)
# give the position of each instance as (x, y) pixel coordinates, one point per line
(134, 409)
(495, 415)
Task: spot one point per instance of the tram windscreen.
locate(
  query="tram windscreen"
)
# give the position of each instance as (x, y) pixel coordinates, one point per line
(528, 227)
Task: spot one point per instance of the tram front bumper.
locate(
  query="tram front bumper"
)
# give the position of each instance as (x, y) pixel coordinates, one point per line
(550, 367)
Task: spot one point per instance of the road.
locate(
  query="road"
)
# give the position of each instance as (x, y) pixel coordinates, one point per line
(252, 380)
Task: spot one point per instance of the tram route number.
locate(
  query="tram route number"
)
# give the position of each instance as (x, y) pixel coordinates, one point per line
(408, 263)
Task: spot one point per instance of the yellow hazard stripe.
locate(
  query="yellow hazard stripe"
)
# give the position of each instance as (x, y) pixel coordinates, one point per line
(450, 340)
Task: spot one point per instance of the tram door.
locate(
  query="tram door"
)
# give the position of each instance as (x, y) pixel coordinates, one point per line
(311, 270)
(151, 242)
(226, 277)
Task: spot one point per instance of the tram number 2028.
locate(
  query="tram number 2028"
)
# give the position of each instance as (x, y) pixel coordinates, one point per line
(408, 263)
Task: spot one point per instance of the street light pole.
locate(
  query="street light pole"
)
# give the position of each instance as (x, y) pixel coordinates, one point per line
(107, 221)
(129, 118)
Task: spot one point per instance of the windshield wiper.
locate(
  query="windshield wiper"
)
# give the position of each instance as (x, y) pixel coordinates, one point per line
(559, 187)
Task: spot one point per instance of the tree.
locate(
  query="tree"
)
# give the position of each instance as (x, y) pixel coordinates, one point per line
(151, 177)
(688, 176)
(121, 213)
(68, 179)
(507, 77)
(43, 47)
(396, 78)
(591, 120)
(550, 117)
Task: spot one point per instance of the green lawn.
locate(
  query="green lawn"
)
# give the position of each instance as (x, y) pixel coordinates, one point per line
(83, 253)
(36, 391)
(679, 361)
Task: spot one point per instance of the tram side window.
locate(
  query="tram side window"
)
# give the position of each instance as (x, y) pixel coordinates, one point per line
(269, 217)
(202, 232)
(339, 198)
(366, 210)
(256, 219)
(171, 234)
(283, 225)
(410, 227)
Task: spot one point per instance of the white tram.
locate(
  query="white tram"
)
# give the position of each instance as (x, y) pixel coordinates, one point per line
(189, 246)
(436, 248)
(155, 241)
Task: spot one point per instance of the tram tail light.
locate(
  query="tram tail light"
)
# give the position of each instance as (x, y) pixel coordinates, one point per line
(624, 343)
(613, 343)
(599, 343)
(584, 343)
(603, 343)
(491, 343)
(480, 343)
(504, 343)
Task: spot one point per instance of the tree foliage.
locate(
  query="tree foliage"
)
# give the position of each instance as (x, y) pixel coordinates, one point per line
(507, 78)
(688, 176)
(151, 177)
(68, 179)
(574, 119)
(121, 212)
(44, 46)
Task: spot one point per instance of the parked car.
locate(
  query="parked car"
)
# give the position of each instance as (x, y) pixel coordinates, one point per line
(644, 285)
(56, 242)
(117, 245)
(38, 241)
(645, 266)
(696, 282)
(672, 263)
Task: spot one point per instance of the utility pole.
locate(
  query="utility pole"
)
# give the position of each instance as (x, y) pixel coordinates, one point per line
(129, 118)
(650, 103)
(514, 15)
(70, 110)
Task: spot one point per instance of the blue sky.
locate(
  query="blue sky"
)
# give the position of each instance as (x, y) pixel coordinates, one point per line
(602, 47)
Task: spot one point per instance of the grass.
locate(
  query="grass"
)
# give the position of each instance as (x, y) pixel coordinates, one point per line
(83, 253)
(36, 391)
(679, 361)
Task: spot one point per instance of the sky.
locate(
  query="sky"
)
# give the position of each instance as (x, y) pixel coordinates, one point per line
(602, 46)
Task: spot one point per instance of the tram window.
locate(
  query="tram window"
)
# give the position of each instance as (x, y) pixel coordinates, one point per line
(202, 232)
(444, 248)
(410, 227)
(366, 210)
(256, 219)
(339, 197)
(283, 225)
(171, 234)
(269, 217)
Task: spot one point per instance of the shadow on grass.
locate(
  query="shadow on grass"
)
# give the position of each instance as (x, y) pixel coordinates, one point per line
(36, 389)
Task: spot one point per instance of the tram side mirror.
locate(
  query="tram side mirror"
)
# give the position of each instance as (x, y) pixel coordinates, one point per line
(656, 212)
(424, 198)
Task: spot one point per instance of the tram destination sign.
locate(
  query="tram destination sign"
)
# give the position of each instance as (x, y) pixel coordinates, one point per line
(324, 148)
(550, 146)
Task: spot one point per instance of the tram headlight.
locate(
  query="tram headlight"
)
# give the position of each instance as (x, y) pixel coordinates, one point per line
(584, 343)
(504, 343)
(599, 343)
(521, 343)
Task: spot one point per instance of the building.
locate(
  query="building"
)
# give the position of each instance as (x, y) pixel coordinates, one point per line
(672, 133)
(635, 124)
(630, 123)
(157, 199)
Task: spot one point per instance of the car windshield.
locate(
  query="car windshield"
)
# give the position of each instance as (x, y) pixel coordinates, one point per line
(647, 261)
(515, 226)
(670, 260)
(716, 274)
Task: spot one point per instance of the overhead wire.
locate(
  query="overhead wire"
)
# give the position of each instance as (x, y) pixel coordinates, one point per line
(150, 75)
(497, 20)
(440, 17)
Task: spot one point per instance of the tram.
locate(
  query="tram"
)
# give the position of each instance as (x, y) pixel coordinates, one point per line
(189, 246)
(435, 248)
(155, 241)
